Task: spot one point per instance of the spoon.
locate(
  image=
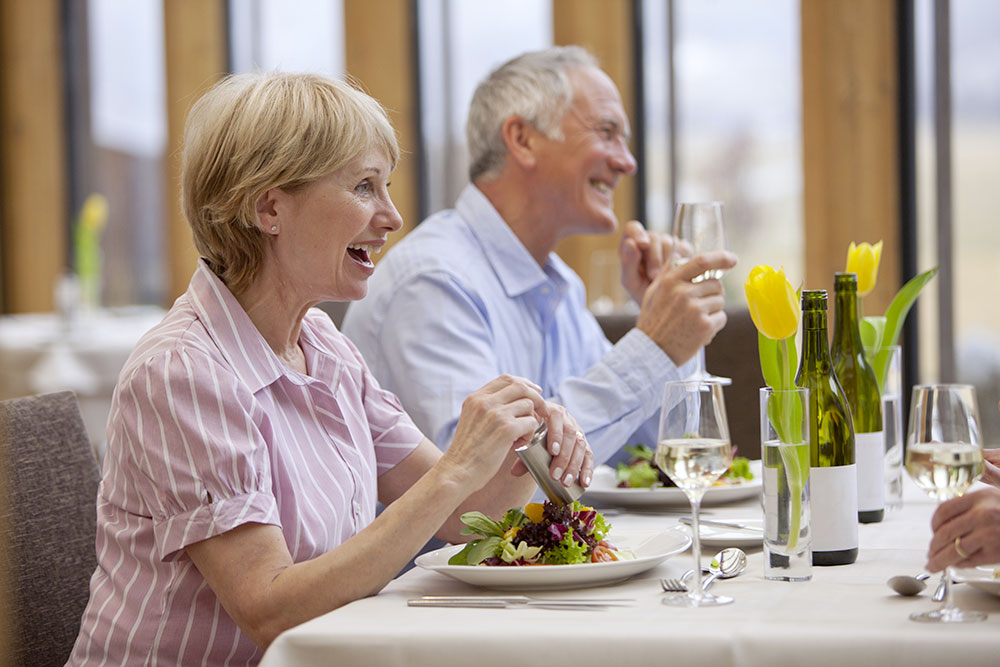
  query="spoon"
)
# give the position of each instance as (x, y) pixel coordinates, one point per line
(904, 584)
(727, 564)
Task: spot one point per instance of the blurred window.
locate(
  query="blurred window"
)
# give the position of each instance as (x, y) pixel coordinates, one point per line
(735, 131)
(117, 137)
(461, 41)
(287, 35)
(973, 355)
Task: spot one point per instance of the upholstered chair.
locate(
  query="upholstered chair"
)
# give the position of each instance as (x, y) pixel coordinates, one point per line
(47, 517)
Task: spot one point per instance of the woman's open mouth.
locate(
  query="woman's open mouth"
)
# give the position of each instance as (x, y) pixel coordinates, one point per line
(361, 253)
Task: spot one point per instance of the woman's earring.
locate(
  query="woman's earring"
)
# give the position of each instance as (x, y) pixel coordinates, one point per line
(274, 228)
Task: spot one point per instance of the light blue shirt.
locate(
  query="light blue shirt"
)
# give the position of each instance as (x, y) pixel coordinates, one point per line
(460, 300)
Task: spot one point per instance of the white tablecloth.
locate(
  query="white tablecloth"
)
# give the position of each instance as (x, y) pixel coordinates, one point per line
(98, 343)
(845, 616)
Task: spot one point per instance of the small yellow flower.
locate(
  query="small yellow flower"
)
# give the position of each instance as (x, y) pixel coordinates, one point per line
(863, 260)
(774, 306)
(94, 213)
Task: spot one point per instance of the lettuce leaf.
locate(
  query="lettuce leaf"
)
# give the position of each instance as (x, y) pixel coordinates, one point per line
(567, 552)
(477, 523)
(476, 551)
(642, 475)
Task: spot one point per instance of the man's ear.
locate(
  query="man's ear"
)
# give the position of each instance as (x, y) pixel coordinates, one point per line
(522, 141)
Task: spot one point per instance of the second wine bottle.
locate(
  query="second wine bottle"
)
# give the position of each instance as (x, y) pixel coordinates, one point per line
(857, 379)
(833, 477)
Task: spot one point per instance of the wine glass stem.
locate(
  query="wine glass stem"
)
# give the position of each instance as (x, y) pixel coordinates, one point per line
(696, 544)
(698, 372)
(948, 579)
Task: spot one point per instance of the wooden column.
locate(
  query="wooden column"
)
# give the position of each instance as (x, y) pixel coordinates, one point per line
(195, 42)
(850, 139)
(33, 189)
(379, 54)
(605, 28)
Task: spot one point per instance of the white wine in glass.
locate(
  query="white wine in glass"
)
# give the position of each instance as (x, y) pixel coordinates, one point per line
(699, 227)
(694, 450)
(944, 456)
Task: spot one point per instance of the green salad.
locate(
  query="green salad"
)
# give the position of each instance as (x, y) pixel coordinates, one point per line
(541, 534)
(641, 472)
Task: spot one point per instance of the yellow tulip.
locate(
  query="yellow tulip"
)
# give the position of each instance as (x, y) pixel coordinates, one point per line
(94, 213)
(774, 306)
(863, 260)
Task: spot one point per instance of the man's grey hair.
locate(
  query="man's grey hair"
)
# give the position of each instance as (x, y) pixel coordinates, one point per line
(535, 87)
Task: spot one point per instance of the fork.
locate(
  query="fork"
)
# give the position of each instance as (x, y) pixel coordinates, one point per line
(671, 585)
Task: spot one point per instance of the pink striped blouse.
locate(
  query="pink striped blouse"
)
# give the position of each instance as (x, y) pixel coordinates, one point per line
(208, 431)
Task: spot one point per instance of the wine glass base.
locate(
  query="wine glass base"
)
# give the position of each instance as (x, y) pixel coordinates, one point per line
(703, 600)
(949, 616)
(708, 377)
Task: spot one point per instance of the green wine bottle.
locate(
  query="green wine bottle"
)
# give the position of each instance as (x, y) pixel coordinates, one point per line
(833, 477)
(857, 379)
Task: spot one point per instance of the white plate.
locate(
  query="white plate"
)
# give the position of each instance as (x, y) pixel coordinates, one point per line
(985, 578)
(718, 536)
(650, 549)
(604, 492)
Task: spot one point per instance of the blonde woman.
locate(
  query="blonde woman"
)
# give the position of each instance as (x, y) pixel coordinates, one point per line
(248, 442)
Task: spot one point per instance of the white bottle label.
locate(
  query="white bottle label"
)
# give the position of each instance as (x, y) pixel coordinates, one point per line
(834, 507)
(870, 457)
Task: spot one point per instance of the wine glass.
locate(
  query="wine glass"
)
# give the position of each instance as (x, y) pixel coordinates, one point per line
(944, 456)
(694, 450)
(699, 227)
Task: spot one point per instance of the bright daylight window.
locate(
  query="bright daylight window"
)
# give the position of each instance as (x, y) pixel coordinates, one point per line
(287, 35)
(975, 199)
(736, 124)
(118, 137)
(461, 41)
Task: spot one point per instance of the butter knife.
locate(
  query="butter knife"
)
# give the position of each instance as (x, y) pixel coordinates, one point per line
(502, 602)
(686, 520)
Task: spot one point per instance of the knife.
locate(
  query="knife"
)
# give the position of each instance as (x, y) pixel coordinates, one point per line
(504, 602)
(686, 520)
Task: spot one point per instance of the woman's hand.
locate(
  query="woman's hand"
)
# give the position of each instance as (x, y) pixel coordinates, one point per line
(494, 419)
(572, 459)
(974, 519)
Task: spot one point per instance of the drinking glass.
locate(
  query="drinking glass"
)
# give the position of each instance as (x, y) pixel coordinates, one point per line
(699, 227)
(944, 456)
(887, 363)
(694, 450)
(784, 446)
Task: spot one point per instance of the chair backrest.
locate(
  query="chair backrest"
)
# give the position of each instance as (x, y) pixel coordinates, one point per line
(51, 478)
(734, 354)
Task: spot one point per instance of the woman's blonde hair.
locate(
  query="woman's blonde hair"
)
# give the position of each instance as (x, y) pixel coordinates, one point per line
(256, 131)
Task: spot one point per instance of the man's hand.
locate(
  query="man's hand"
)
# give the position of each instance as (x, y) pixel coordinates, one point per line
(642, 254)
(991, 466)
(680, 316)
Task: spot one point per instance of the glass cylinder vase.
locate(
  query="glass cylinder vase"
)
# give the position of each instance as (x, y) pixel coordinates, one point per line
(784, 439)
(888, 366)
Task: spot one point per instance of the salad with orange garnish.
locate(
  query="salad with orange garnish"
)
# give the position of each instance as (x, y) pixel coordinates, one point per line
(541, 534)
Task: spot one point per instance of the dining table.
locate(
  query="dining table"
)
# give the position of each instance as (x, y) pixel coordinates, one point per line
(845, 615)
